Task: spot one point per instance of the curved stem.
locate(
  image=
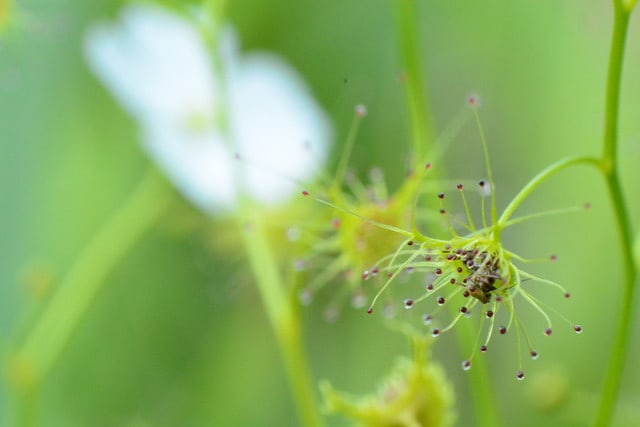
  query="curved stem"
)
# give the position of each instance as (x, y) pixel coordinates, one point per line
(50, 334)
(283, 317)
(539, 179)
(415, 90)
(620, 346)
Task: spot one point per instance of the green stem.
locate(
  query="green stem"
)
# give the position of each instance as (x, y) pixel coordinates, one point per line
(415, 90)
(620, 346)
(50, 334)
(539, 179)
(612, 102)
(283, 317)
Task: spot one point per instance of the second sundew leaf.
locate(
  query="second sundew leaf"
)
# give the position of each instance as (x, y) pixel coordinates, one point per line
(363, 228)
(366, 222)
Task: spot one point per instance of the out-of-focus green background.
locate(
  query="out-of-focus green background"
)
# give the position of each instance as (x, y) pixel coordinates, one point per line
(178, 337)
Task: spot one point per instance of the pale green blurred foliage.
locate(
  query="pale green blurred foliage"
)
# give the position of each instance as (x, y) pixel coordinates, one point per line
(178, 335)
(549, 389)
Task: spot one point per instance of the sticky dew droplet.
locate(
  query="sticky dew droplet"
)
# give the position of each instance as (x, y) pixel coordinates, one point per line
(427, 319)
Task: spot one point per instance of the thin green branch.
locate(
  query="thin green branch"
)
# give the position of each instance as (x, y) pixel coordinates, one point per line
(620, 345)
(614, 77)
(283, 317)
(537, 180)
(613, 376)
(50, 334)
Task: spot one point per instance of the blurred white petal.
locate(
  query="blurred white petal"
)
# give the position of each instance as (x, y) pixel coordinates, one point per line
(155, 63)
(198, 163)
(277, 124)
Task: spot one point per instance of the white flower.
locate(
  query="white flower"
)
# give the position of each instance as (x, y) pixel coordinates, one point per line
(195, 118)
(154, 63)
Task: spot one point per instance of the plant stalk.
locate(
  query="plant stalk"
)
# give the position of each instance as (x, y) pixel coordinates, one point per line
(283, 317)
(46, 340)
(620, 345)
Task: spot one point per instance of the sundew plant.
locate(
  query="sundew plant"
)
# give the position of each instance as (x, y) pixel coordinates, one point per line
(348, 212)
